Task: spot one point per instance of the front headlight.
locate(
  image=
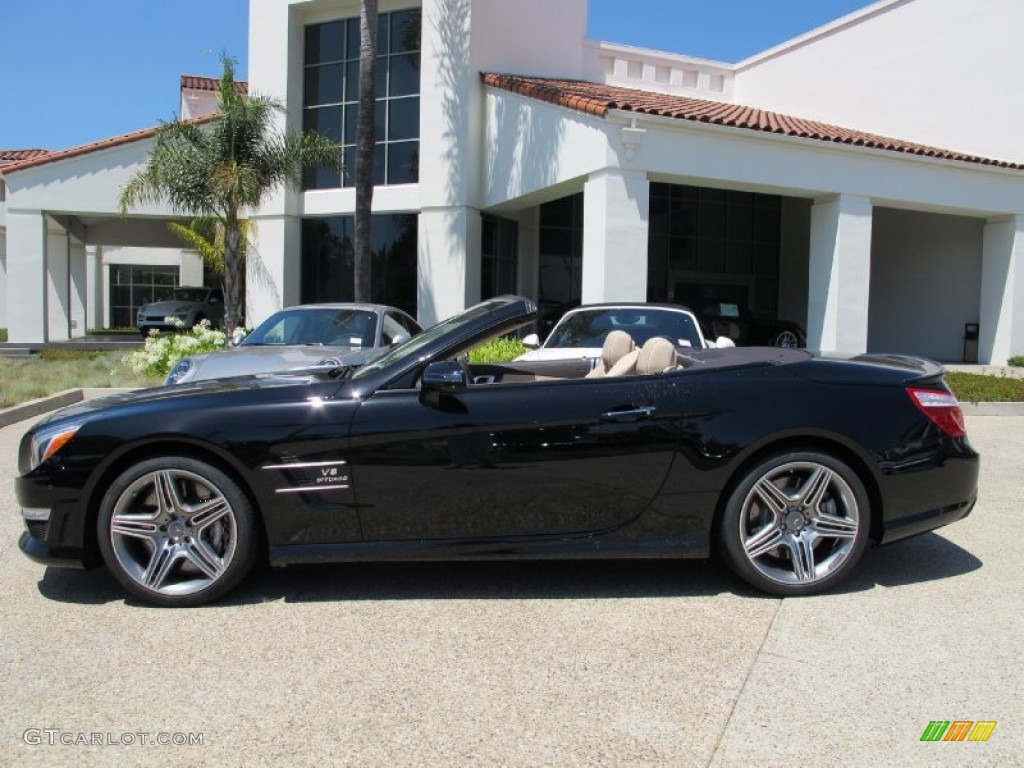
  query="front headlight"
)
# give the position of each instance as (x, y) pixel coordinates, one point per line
(180, 370)
(47, 442)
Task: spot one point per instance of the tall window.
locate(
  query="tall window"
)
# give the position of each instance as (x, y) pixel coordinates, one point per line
(561, 253)
(328, 253)
(331, 96)
(498, 256)
(133, 285)
(710, 245)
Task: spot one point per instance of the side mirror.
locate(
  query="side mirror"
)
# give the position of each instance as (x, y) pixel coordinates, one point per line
(532, 341)
(446, 377)
(237, 337)
(399, 338)
(724, 342)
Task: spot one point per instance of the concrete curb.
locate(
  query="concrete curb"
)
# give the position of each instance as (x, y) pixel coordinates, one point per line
(49, 403)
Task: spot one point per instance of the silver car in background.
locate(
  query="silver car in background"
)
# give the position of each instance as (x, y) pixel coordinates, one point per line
(304, 336)
(188, 305)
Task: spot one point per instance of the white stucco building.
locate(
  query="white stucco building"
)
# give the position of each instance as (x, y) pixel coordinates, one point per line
(863, 179)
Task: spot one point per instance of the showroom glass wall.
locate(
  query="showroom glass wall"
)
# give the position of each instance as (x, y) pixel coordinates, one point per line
(713, 245)
(331, 94)
(132, 285)
(704, 246)
(328, 256)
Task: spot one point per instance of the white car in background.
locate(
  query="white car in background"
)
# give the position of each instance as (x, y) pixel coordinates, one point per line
(582, 331)
(301, 337)
(185, 304)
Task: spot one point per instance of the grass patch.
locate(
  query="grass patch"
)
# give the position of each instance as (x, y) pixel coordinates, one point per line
(55, 370)
(979, 388)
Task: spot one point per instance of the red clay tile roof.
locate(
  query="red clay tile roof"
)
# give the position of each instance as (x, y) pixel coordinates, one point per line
(200, 83)
(598, 99)
(85, 149)
(17, 155)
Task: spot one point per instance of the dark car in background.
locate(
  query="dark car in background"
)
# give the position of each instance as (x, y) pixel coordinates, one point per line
(747, 329)
(783, 463)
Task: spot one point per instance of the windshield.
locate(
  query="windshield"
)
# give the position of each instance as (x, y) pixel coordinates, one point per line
(589, 327)
(189, 294)
(409, 349)
(347, 327)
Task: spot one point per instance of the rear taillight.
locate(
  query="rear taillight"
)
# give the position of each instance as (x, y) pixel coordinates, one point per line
(941, 408)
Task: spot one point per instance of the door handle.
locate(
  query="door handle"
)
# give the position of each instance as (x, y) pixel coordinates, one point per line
(629, 414)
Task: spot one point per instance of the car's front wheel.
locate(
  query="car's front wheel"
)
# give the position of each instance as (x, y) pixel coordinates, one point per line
(175, 531)
(796, 523)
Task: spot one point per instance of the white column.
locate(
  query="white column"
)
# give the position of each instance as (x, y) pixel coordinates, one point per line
(95, 288)
(616, 215)
(839, 274)
(3, 278)
(1001, 317)
(58, 282)
(77, 299)
(27, 295)
(448, 262)
(273, 267)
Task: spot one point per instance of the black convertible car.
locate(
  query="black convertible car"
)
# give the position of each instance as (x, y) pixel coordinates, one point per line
(784, 463)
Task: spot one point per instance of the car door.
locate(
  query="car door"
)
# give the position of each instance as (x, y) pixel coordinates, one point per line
(512, 459)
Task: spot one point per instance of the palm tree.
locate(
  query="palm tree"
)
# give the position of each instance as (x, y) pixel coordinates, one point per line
(224, 168)
(364, 149)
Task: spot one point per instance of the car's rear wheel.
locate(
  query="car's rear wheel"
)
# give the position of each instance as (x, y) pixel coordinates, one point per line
(796, 524)
(789, 338)
(175, 531)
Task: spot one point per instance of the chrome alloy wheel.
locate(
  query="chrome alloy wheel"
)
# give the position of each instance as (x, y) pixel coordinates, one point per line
(173, 532)
(799, 523)
(787, 339)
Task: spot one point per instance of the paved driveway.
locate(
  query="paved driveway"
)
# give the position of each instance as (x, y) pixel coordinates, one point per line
(661, 663)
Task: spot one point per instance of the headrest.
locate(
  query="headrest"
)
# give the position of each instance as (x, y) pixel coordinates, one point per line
(656, 355)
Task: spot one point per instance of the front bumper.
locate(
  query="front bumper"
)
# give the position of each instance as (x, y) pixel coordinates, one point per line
(37, 550)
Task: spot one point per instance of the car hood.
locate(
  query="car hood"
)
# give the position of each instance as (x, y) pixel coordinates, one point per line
(266, 359)
(170, 305)
(200, 388)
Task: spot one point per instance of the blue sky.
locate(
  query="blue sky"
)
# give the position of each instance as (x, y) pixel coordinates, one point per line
(75, 71)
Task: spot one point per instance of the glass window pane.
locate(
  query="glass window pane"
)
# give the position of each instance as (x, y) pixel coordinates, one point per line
(404, 162)
(380, 77)
(404, 119)
(380, 117)
(323, 85)
(405, 31)
(352, 81)
(352, 39)
(325, 42)
(383, 38)
(379, 165)
(351, 118)
(405, 74)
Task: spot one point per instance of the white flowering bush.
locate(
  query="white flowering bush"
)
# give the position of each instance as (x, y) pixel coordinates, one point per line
(163, 350)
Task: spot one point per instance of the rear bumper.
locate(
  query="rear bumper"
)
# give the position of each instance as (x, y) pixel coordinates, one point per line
(928, 497)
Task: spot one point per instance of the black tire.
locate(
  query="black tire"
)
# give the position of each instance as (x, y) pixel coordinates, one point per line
(789, 338)
(177, 532)
(797, 523)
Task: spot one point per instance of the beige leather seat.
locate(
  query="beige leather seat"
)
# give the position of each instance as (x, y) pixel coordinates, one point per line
(656, 356)
(618, 356)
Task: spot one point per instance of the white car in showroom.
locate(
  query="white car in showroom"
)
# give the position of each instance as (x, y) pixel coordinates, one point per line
(189, 305)
(301, 337)
(582, 332)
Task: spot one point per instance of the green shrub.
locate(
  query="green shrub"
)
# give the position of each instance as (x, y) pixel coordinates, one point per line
(499, 350)
(57, 353)
(979, 388)
(163, 350)
(1016, 360)
(3, 335)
